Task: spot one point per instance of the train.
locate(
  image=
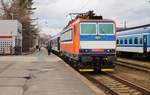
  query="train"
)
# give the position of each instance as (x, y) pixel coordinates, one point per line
(88, 43)
(10, 37)
(55, 43)
(134, 41)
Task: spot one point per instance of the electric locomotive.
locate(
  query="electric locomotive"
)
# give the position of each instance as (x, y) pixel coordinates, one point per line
(88, 43)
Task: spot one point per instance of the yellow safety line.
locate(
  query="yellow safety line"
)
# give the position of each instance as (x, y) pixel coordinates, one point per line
(107, 70)
(86, 70)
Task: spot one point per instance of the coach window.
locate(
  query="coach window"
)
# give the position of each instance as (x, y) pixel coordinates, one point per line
(125, 42)
(136, 40)
(88, 28)
(141, 40)
(121, 41)
(130, 41)
(117, 41)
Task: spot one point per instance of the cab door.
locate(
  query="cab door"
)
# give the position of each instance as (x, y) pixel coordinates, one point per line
(144, 44)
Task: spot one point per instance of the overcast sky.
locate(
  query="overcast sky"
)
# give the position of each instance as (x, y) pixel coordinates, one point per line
(53, 14)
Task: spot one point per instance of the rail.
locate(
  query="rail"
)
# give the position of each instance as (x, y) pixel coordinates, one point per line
(116, 85)
(134, 66)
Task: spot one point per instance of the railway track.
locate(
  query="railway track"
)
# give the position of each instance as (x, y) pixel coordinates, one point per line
(133, 66)
(114, 85)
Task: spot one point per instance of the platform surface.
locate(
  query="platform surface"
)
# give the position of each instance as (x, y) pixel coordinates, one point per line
(40, 74)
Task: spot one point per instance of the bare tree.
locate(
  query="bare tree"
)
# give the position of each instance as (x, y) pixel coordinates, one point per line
(5, 7)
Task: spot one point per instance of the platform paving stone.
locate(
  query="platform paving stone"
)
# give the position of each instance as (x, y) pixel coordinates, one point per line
(11, 91)
(12, 73)
(12, 82)
(4, 64)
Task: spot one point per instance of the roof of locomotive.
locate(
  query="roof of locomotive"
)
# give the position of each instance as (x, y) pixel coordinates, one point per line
(89, 16)
(78, 20)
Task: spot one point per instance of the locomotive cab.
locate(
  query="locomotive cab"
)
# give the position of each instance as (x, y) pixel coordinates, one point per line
(97, 44)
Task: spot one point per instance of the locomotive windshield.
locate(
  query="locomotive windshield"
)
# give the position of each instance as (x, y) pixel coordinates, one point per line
(88, 28)
(105, 28)
(96, 28)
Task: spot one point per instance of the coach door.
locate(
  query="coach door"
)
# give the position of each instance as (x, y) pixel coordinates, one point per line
(144, 44)
(58, 43)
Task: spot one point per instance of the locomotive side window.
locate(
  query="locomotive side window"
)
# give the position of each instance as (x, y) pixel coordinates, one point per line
(67, 35)
(136, 40)
(88, 28)
(105, 28)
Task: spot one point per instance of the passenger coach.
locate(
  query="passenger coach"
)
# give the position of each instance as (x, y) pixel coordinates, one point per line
(55, 44)
(134, 40)
(89, 43)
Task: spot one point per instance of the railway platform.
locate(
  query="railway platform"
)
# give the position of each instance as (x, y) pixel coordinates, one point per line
(40, 74)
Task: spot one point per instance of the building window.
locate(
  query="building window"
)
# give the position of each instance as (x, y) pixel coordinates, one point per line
(136, 40)
(130, 41)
